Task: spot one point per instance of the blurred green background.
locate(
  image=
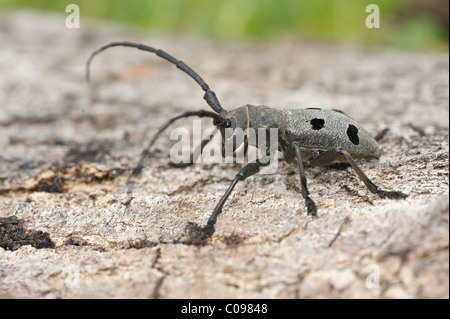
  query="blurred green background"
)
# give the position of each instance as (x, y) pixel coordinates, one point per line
(404, 24)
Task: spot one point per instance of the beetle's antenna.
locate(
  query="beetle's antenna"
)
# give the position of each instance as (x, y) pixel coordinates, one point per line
(219, 121)
(209, 96)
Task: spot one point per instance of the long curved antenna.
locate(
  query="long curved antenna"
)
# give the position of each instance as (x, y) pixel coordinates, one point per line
(209, 96)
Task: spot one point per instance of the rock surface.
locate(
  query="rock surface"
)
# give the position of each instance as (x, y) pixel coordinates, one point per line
(67, 149)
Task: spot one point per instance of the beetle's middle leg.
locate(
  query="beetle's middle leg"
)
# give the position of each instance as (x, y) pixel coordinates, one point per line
(329, 156)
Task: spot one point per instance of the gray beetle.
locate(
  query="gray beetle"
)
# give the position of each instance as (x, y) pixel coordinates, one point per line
(313, 135)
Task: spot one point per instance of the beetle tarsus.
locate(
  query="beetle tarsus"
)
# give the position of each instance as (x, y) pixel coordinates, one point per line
(208, 231)
(391, 194)
(311, 207)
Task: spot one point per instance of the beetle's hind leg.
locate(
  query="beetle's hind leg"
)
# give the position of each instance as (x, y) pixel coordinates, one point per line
(329, 156)
(310, 205)
(370, 185)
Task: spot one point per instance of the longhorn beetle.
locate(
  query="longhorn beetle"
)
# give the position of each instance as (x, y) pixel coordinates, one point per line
(313, 135)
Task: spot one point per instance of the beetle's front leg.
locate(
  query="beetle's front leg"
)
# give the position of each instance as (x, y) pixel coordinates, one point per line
(137, 170)
(195, 153)
(247, 171)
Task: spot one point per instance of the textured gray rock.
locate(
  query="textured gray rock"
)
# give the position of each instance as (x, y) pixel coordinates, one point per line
(67, 149)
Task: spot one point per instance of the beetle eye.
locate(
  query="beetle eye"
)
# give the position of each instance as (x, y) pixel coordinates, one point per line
(222, 122)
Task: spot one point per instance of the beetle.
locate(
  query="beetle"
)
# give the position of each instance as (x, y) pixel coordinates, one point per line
(314, 135)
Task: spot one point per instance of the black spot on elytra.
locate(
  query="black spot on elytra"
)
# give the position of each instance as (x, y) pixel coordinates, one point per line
(317, 124)
(352, 133)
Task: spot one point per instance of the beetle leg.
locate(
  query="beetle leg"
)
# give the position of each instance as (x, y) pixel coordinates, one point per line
(311, 207)
(363, 177)
(247, 171)
(137, 170)
(198, 150)
(235, 152)
(325, 158)
(235, 141)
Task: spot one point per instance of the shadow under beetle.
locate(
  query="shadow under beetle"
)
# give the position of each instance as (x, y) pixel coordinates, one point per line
(313, 135)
